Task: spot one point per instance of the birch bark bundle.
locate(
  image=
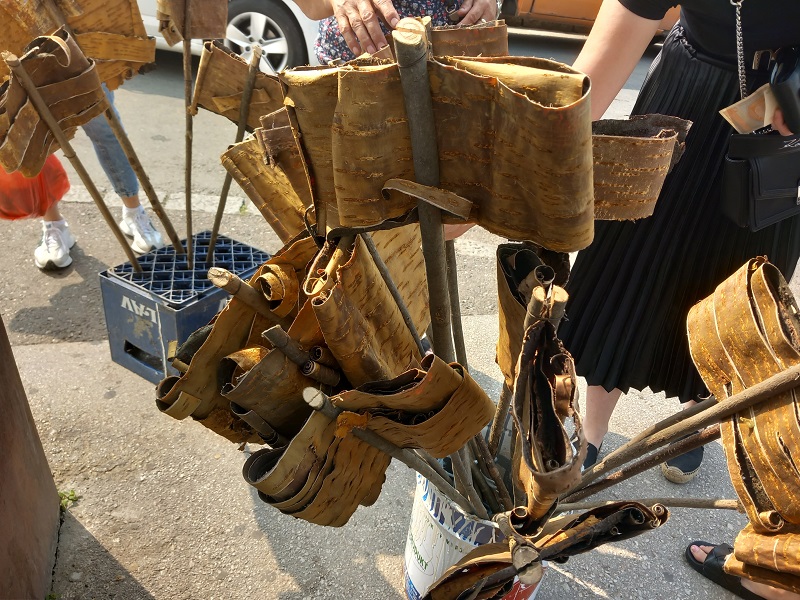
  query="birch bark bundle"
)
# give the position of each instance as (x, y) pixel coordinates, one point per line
(208, 19)
(69, 85)
(110, 32)
(745, 332)
(631, 160)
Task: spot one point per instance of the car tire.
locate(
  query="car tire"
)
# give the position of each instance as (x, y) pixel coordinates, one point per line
(280, 36)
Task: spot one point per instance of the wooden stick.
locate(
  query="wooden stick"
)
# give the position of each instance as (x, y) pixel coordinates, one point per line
(387, 278)
(147, 186)
(665, 453)
(244, 115)
(21, 74)
(411, 49)
(464, 475)
(281, 340)
(233, 284)
(770, 387)
(320, 402)
(455, 303)
(321, 373)
(187, 99)
(499, 420)
(494, 473)
(705, 503)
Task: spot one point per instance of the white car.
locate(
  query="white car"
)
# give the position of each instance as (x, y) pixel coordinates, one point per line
(279, 26)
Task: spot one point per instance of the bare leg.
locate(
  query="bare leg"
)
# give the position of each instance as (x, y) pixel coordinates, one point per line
(52, 214)
(131, 201)
(600, 405)
(765, 591)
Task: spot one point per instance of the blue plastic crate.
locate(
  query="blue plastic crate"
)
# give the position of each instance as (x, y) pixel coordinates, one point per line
(167, 300)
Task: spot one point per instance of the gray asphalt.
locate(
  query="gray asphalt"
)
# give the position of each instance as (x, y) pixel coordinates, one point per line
(163, 510)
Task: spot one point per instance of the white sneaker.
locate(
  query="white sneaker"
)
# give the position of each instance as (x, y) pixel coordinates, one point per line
(53, 251)
(145, 236)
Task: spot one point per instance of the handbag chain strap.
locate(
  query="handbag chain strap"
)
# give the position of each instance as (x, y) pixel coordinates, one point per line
(740, 48)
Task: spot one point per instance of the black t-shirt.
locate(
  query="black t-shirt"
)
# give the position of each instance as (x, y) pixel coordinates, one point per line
(710, 25)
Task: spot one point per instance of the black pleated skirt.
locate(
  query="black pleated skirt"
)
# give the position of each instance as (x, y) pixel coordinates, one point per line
(631, 290)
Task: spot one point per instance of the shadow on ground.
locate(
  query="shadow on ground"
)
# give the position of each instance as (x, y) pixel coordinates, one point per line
(107, 578)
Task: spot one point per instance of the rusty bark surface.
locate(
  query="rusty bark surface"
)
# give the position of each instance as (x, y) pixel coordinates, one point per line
(747, 331)
(514, 137)
(220, 83)
(311, 95)
(69, 86)
(515, 285)
(631, 160)
(267, 186)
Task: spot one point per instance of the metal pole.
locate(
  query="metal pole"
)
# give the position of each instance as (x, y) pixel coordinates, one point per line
(137, 167)
(187, 99)
(244, 115)
(411, 48)
(20, 73)
(319, 401)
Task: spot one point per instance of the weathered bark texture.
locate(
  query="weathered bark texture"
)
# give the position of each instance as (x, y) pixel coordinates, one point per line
(747, 331)
(220, 83)
(484, 39)
(207, 20)
(267, 186)
(110, 32)
(631, 160)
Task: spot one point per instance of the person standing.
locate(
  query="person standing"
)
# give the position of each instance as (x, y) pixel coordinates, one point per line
(631, 289)
(53, 251)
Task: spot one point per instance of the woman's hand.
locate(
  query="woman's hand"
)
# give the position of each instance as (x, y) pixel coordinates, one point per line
(359, 25)
(778, 124)
(473, 11)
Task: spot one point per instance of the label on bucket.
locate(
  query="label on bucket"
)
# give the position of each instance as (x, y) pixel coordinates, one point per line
(440, 535)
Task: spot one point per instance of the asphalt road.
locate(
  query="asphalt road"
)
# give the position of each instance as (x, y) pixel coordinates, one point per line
(164, 512)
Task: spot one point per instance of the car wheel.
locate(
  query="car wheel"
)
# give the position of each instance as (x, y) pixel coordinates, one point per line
(269, 24)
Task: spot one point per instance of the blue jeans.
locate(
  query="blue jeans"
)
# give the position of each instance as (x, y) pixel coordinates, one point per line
(110, 154)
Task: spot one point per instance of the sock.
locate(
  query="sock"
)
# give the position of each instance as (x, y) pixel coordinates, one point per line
(131, 212)
(59, 224)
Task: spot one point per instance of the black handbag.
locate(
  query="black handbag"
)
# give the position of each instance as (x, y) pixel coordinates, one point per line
(761, 179)
(761, 176)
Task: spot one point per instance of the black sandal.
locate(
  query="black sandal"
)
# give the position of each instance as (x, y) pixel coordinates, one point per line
(712, 569)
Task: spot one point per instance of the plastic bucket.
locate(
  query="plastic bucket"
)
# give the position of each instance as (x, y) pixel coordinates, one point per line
(439, 536)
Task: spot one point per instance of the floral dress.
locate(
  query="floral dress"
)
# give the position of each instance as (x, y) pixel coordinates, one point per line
(330, 44)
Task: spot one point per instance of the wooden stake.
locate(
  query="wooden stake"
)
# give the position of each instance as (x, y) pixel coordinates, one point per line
(187, 99)
(411, 49)
(705, 503)
(244, 115)
(21, 74)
